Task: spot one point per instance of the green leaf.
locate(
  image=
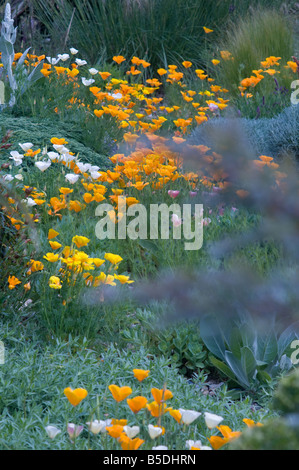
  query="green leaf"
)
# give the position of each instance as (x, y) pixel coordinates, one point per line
(286, 337)
(263, 376)
(267, 347)
(33, 77)
(212, 336)
(248, 362)
(223, 368)
(235, 342)
(237, 368)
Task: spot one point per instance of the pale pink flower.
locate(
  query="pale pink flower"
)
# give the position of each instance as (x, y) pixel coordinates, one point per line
(176, 220)
(74, 431)
(173, 194)
(206, 221)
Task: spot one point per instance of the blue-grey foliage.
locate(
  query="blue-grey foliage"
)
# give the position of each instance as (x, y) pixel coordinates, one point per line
(273, 137)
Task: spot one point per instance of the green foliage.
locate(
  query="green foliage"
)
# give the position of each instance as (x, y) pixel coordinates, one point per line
(275, 435)
(182, 343)
(281, 433)
(274, 137)
(21, 81)
(286, 398)
(278, 136)
(39, 132)
(151, 29)
(241, 352)
(13, 255)
(261, 34)
(34, 396)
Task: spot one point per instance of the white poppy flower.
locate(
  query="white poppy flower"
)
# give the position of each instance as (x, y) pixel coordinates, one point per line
(154, 431)
(53, 156)
(63, 57)
(25, 147)
(93, 71)
(190, 444)
(30, 202)
(53, 61)
(87, 82)
(95, 175)
(42, 166)
(19, 177)
(8, 178)
(52, 431)
(96, 426)
(61, 148)
(212, 420)
(18, 162)
(80, 62)
(67, 157)
(160, 448)
(73, 51)
(71, 178)
(188, 416)
(16, 157)
(131, 431)
(84, 167)
(94, 168)
(117, 96)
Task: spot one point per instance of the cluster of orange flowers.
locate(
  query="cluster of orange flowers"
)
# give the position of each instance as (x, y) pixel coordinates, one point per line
(267, 68)
(129, 101)
(126, 435)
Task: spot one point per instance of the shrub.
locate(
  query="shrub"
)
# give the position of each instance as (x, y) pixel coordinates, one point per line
(261, 34)
(281, 433)
(34, 130)
(273, 137)
(181, 343)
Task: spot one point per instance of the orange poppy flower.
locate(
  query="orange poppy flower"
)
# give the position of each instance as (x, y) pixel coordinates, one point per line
(136, 404)
(115, 430)
(13, 282)
(119, 393)
(161, 395)
(161, 72)
(119, 422)
(105, 75)
(140, 374)
(207, 30)
(176, 414)
(57, 141)
(99, 112)
(130, 444)
(157, 409)
(119, 59)
(75, 396)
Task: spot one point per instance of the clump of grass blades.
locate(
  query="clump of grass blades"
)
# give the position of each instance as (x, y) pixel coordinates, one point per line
(153, 30)
(261, 34)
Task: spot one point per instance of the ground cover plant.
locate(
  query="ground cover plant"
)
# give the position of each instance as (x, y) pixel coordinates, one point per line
(133, 341)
